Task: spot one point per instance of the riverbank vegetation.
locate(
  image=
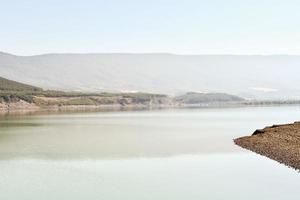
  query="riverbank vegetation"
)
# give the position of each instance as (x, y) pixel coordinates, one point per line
(12, 92)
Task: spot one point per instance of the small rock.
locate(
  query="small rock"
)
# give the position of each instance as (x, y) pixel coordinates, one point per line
(258, 131)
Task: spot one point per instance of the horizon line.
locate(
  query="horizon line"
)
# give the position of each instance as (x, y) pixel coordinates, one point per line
(140, 53)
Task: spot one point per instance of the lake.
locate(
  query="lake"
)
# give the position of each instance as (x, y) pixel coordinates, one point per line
(184, 154)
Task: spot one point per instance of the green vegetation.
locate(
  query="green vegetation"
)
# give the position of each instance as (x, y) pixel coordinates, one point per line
(12, 91)
(13, 96)
(8, 85)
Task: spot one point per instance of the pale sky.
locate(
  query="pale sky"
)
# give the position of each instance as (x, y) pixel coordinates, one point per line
(138, 26)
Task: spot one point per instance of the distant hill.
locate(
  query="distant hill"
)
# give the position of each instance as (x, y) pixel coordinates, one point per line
(198, 98)
(9, 85)
(251, 77)
(19, 96)
(12, 92)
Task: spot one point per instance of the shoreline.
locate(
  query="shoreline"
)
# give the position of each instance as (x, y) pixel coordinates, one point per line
(278, 142)
(22, 98)
(32, 108)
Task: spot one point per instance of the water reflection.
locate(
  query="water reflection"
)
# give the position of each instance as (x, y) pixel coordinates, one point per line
(112, 135)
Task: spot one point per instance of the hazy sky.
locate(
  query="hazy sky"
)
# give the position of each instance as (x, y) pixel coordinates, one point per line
(174, 26)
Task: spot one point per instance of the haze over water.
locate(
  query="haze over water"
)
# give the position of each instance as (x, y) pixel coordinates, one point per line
(161, 154)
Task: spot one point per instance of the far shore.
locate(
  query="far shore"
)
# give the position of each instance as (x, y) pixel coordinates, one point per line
(16, 97)
(25, 108)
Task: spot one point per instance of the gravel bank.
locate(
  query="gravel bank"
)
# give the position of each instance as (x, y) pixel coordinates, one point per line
(278, 142)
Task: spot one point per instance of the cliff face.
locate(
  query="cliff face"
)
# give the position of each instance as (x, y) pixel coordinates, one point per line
(146, 100)
(17, 105)
(74, 102)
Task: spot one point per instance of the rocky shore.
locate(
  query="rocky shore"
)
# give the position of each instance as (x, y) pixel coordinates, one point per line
(278, 142)
(85, 103)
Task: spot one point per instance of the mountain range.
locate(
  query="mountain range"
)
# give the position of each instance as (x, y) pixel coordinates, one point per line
(248, 76)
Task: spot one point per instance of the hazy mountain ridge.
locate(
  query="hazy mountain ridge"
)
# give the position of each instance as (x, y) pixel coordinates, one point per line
(199, 98)
(261, 77)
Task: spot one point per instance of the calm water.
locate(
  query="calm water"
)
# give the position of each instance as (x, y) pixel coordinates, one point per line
(185, 154)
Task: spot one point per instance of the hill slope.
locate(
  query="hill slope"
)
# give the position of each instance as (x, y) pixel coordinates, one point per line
(19, 96)
(261, 77)
(9, 85)
(198, 98)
